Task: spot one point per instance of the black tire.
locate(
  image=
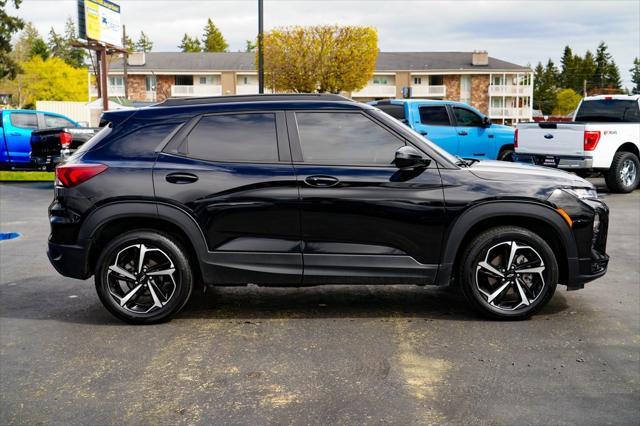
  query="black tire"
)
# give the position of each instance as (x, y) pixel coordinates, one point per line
(177, 285)
(613, 177)
(506, 155)
(495, 238)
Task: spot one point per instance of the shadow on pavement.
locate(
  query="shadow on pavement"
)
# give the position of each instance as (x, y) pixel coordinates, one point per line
(27, 300)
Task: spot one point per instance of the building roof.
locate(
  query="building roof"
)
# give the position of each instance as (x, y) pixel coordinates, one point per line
(386, 61)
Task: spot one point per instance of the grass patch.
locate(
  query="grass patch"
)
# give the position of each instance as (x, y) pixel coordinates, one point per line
(11, 176)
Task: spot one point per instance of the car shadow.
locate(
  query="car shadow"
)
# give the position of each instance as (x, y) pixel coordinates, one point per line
(25, 300)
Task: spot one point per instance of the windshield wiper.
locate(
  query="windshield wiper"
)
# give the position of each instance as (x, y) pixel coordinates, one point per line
(465, 162)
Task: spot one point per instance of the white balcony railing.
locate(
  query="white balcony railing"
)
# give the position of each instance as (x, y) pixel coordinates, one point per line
(420, 90)
(510, 112)
(197, 90)
(246, 89)
(111, 91)
(510, 90)
(376, 91)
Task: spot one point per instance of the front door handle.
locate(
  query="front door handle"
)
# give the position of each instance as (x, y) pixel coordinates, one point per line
(424, 132)
(462, 133)
(181, 178)
(321, 181)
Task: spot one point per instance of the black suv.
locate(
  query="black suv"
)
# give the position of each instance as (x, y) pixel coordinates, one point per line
(302, 190)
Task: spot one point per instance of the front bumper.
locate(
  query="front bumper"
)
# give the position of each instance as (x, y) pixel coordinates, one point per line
(559, 161)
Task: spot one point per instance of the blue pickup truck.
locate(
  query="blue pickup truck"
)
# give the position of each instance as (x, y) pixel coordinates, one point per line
(15, 134)
(458, 128)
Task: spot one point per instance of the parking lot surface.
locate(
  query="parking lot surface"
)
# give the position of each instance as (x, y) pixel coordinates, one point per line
(325, 355)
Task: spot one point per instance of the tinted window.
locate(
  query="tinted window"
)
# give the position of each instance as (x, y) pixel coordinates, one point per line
(234, 137)
(343, 138)
(396, 111)
(434, 115)
(467, 118)
(51, 121)
(24, 120)
(609, 110)
(140, 143)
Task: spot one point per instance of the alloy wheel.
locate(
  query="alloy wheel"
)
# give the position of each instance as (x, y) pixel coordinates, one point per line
(141, 279)
(510, 277)
(628, 172)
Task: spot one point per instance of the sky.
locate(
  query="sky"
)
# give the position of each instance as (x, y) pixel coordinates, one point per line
(523, 32)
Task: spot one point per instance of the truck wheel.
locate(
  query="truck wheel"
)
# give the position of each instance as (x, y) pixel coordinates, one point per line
(506, 155)
(623, 175)
(508, 273)
(144, 277)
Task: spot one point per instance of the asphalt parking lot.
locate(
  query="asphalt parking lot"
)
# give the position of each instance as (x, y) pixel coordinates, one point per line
(346, 355)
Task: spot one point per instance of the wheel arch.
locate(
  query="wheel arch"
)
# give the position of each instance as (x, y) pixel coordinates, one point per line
(536, 217)
(111, 220)
(629, 147)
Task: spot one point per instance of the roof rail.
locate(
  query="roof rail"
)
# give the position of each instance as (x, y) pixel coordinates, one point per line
(252, 98)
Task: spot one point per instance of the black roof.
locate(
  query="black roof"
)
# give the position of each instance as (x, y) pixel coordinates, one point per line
(252, 98)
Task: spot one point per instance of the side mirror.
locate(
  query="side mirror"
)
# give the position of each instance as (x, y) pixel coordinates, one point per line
(83, 124)
(408, 158)
(486, 121)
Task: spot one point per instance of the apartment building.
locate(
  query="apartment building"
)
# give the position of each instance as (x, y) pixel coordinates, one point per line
(500, 89)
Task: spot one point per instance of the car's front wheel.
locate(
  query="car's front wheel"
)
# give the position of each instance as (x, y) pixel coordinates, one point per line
(143, 277)
(508, 272)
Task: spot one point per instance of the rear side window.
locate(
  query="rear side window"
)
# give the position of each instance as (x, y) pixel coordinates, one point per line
(434, 115)
(234, 137)
(396, 111)
(51, 121)
(141, 143)
(344, 138)
(609, 111)
(24, 120)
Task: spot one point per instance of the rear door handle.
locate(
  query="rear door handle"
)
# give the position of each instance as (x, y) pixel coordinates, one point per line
(462, 133)
(181, 178)
(321, 181)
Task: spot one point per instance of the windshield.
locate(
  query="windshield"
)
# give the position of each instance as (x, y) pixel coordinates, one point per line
(609, 111)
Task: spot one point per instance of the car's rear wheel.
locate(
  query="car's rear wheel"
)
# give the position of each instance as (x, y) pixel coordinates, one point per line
(144, 277)
(624, 174)
(508, 273)
(506, 155)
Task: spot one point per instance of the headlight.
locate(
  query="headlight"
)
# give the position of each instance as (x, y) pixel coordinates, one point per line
(582, 192)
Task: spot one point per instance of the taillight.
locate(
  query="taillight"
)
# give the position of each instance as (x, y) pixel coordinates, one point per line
(70, 175)
(515, 139)
(65, 139)
(591, 138)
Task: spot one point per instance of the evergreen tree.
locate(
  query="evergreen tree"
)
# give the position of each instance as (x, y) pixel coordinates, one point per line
(544, 89)
(603, 60)
(190, 44)
(129, 44)
(613, 79)
(24, 45)
(635, 76)
(40, 48)
(587, 70)
(8, 26)
(75, 56)
(212, 40)
(250, 46)
(144, 43)
(568, 72)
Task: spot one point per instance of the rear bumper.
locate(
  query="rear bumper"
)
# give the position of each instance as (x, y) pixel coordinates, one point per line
(45, 160)
(561, 162)
(69, 260)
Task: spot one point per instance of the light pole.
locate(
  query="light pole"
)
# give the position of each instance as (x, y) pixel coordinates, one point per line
(260, 50)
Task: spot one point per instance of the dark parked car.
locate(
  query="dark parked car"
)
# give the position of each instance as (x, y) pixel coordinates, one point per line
(302, 190)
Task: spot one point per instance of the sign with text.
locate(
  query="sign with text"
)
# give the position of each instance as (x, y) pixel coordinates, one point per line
(100, 20)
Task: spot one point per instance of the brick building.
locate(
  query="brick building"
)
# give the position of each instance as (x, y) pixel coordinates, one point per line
(498, 88)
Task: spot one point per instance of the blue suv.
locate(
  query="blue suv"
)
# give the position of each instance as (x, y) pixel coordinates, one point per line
(460, 129)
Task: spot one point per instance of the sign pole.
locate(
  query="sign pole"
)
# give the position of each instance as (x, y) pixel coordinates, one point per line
(124, 63)
(103, 78)
(260, 49)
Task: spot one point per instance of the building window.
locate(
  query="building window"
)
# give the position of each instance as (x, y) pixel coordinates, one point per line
(465, 89)
(417, 80)
(245, 80)
(436, 80)
(150, 83)
(203, 80)
(116, 80)
(379, 80)
(184, 80)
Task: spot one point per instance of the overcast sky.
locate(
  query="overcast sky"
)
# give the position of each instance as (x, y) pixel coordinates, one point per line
(523, 32)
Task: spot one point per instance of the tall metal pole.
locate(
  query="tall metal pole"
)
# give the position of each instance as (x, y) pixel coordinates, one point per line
(125, 59)
(260, 50)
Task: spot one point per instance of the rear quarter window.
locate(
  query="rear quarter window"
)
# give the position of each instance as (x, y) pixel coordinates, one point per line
(141, 142)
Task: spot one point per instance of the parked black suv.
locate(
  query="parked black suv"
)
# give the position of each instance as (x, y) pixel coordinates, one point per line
(300, 190)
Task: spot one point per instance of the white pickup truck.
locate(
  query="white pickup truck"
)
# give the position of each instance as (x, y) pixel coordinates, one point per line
(603, 138)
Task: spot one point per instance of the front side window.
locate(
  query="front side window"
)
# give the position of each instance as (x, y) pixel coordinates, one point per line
(234, 137)
(434, 115)
(51, 121)
(467, 118)
(24, 120)
(345, 138)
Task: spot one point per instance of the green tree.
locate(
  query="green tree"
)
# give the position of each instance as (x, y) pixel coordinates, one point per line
(24, 44)
(613, 80)
(57, 45)
(190, 44)
(323, 58)
(212, 40)
(602, 59)
(635, 76)
(128, 44)
(544, 87)
(9, 25)
(587, 69)
(75, 56)
(568, 63)
(40, 48)
(567, 100)
(144, 43)
(250, 46)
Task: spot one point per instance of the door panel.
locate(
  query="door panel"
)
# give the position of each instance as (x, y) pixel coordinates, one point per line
(474, 140)
(433, 123)
(18, 127)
